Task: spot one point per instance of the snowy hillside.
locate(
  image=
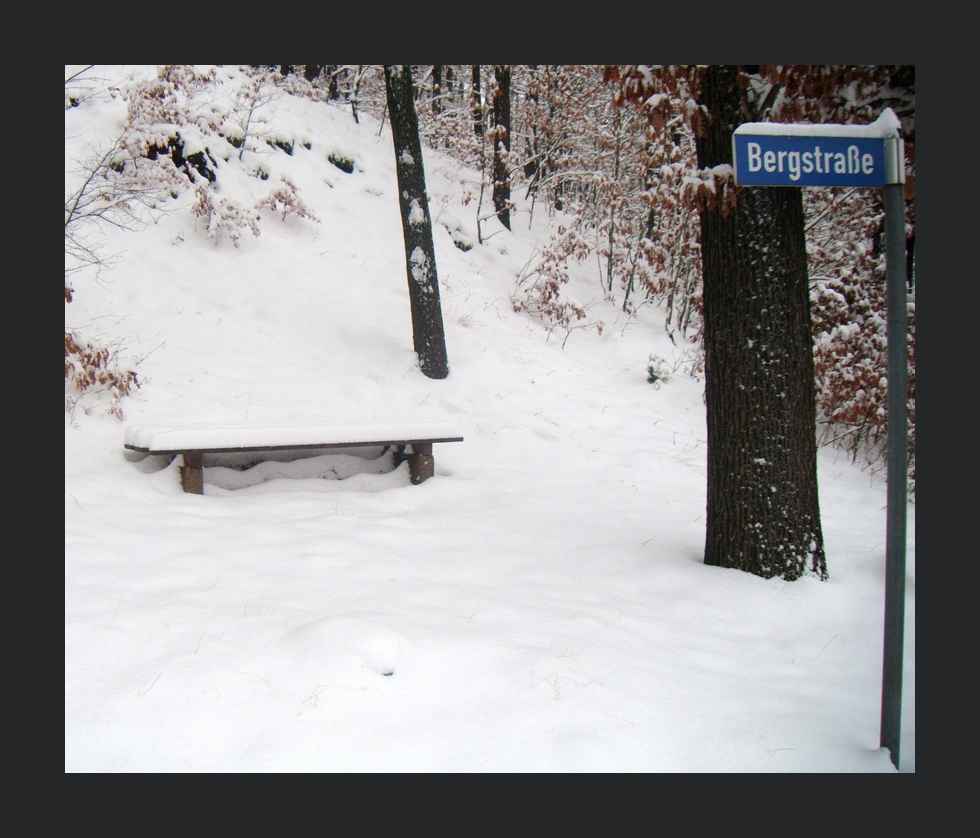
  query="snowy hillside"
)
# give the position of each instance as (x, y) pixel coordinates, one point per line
(540, 605)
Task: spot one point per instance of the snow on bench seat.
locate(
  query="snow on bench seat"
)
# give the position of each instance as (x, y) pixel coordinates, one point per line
(161, 439)
(192, 441)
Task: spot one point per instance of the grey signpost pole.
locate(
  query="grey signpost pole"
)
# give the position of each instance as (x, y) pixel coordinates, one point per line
(891, 679)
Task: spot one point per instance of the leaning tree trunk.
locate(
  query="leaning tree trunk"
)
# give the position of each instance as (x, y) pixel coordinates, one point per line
(763, 513)
(501, 123)
(420, 258)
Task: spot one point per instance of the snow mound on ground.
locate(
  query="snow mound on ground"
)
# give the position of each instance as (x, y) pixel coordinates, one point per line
(343, 644)
(323, 467)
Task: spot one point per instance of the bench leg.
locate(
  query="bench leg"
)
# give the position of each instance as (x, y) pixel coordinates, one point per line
(421, 465)
(398, 455)
(192, 474)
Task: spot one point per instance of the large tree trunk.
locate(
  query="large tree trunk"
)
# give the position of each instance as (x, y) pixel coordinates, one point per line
(501, 122)
(420, 258)
(763, 513)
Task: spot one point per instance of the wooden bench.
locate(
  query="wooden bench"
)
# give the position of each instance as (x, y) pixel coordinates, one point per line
(411, 442)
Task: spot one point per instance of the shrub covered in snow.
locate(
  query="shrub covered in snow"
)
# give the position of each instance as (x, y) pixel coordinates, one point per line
(223, 216)
(851, 365)
(285, 199)
(114, 191)
(539, 291)
(657, 370)
(91, 369)
(157, 108)
(341, 161)
(848, 315)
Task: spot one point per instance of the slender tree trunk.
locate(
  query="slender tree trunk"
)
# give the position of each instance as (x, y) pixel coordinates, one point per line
(475, 103)
(354, 93)
(428, 335)
(501, 122)
(618, 124)
(763, 514)
(450, 83)
(549, 137)
(436, 88)
(531, 141)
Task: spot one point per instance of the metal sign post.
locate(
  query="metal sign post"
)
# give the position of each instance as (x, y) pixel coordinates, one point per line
(768, 154)
(891, 681)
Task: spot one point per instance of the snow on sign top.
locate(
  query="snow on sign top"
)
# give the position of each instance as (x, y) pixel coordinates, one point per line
(772, 154)
(886, 125)
(202, 437)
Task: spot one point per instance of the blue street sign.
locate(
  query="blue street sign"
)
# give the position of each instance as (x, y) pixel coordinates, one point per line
(792, 160)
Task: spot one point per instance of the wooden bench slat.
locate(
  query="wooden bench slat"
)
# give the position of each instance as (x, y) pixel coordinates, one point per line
(307, 446)
(198, 437)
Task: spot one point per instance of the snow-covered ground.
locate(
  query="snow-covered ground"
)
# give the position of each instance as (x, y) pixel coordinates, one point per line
(540, 605)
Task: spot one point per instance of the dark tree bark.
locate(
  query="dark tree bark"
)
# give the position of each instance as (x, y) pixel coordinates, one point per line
(501, 122)
(475, 103)
(763, 513)
(344, 77)
(549, 138)
(436, 88)
(531, 147)
(354, 92)
(428, 335)
(333, 92)
(450, 82)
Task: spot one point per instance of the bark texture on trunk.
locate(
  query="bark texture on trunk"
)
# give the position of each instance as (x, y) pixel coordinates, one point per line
(450, 82)
(763, 512)
(436, 88)
(501, 121)
(333, 90)
(531, 143)
(420, 260)
(475, 104)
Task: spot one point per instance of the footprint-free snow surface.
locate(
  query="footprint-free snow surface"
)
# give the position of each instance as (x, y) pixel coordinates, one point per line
(541, 604)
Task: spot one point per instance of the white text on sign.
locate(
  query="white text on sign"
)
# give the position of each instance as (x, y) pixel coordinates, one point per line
(797, 163)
